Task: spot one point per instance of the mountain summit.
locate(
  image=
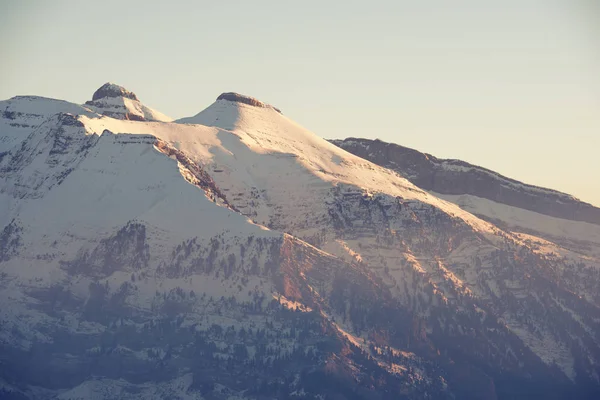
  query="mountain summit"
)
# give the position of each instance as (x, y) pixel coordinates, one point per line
(117, 102)
(112, 90)
(240, 98)
(236, 254)
(232, 109)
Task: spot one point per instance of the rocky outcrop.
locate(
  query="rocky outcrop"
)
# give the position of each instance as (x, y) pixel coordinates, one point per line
(20, 114)
(58, 145)
(10, 240)
(240, 98)
(455, 177)
(126, 251)
(112, 90)
(117, 102)
(195, 174)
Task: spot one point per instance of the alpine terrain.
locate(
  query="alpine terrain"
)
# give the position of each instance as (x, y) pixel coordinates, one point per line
(234, 254)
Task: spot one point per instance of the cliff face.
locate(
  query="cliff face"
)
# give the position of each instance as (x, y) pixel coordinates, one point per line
(112, 90)
(455, 177)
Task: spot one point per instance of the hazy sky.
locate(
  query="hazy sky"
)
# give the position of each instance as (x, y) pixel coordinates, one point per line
(512, 85)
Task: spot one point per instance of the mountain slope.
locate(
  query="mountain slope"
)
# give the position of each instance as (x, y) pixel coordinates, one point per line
(125, 272)
(271, 131)
(19, 115)
(364, 202)
(235, 253)
(455, 178)
(554, 223)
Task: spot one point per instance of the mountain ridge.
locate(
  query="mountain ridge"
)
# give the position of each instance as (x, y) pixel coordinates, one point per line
(422, 169)
(236, 254)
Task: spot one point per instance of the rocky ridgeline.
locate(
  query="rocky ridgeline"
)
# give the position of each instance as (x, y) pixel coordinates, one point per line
(455, 177)
(112, 90)
(240, 98)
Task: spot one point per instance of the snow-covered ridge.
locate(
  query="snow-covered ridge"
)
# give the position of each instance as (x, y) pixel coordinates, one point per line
(453, 164)
(39, 106)
(308, 167)
(456, 177)
(519, 219)
(21, 114)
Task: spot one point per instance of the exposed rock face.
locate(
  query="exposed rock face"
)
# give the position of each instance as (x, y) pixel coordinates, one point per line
(21, 114)
(455, 177)
(240, 98)
(112, 90)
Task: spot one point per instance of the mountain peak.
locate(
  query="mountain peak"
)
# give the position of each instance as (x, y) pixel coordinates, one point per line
(117, 102)
(240, 98)
(112, 90)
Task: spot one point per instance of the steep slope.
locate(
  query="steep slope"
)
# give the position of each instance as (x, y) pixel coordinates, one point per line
(555, 224)
(235, 253)
(21, 114)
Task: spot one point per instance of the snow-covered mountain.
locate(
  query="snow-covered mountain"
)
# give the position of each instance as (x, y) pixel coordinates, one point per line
(234, 254)
(550, 220)
(117, 102)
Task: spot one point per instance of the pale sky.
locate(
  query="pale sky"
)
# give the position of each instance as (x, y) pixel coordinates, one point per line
(511, 85)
